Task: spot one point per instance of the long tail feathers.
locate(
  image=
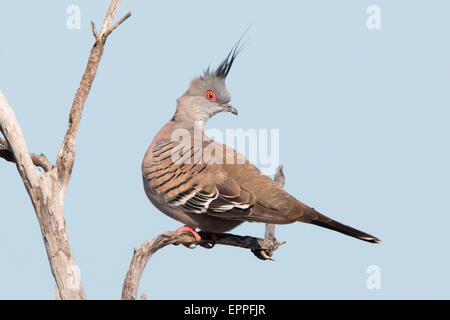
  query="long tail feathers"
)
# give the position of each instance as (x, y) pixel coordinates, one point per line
(323, 221)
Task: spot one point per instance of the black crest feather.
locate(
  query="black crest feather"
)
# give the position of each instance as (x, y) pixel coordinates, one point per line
(224, 68)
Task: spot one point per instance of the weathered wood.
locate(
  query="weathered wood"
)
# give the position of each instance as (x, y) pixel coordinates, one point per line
(66, 154)
(47, 189)
(145, 251)
(47, 197)
(39, 160)
(270, 228)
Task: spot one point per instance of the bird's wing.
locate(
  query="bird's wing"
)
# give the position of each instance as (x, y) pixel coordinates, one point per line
(198, 182)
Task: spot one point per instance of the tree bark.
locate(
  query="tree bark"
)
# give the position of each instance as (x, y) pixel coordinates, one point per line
(47, 189)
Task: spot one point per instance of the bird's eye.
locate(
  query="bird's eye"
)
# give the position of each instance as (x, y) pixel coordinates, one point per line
(211, 96)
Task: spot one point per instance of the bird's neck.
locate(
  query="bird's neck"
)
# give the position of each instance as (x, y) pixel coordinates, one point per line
(186, 117)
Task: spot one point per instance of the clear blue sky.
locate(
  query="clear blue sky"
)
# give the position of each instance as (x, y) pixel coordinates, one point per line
(363, 118)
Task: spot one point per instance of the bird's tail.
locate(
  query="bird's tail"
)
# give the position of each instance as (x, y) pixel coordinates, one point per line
(320, 220)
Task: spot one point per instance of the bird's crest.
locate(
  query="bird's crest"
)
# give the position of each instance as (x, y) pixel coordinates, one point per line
(224, 68)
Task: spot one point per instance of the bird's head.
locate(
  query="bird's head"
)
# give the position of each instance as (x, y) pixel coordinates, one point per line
(207, 94)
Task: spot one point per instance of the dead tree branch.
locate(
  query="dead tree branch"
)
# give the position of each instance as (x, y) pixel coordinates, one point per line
(66, 154)
(270, 228)
(149, 247)
(47, 190)
(39, 160)
(261, 248)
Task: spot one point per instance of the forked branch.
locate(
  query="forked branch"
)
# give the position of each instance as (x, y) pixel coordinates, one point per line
(39, 160)
(47, 190)
(66, 154)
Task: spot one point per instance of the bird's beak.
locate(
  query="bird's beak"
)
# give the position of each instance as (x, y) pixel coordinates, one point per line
(230, 108)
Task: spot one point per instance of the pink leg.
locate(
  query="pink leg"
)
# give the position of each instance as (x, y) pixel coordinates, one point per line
(191, 229)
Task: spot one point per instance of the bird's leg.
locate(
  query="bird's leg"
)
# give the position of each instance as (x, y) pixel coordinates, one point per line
(191, 229)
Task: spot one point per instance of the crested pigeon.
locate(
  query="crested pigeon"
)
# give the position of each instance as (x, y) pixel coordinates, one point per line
(194, 182)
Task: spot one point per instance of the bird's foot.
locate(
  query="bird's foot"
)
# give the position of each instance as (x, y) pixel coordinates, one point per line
(210, 245)
(191, 229)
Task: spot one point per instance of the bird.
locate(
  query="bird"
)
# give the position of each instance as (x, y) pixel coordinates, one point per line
(186, 177)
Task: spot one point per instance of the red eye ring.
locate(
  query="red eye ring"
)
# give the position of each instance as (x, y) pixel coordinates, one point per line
(211, 96)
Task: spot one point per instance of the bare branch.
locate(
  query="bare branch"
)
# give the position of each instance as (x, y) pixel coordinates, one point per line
(66, 154)
(279, 176)
(15, 140)
(57, 294)
(270, 228)
(94, 31)
(47, 202)
(7, 155)
(4, 143)
(270, 231)
(149, 247)
(39, 160)
(125, 17)
(107, 22)
(47, 190)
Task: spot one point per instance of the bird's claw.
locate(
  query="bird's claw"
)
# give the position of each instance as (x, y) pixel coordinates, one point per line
(191, 229)
(210, 245)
